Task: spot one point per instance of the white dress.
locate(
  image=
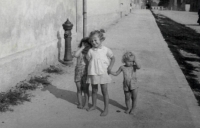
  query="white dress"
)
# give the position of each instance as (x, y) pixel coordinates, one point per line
(99, 60)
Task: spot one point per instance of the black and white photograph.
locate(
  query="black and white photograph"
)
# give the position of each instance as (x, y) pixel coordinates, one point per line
(99, 63)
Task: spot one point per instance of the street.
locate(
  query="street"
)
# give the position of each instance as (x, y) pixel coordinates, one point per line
(165, 99)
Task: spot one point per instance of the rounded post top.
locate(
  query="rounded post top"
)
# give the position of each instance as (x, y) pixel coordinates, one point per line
(67, 25)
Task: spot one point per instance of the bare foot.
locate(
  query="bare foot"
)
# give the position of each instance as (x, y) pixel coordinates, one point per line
(86, 107)
(80, 107)
(127, 111)
(104, 113)
(132, 112)
(92, 108)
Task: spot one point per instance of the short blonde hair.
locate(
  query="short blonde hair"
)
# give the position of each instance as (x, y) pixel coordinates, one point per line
(127, 56)
(99, 33)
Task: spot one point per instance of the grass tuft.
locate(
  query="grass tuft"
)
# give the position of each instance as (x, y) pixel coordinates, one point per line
(53, 69)
(40, 80)
(19, 94)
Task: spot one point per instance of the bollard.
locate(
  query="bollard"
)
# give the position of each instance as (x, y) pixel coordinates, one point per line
(67, 26)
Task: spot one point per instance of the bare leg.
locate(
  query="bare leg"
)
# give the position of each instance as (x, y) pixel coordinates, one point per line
(79, 96)
(127, 101)
(104, 91)
(134, 100)
(94, 97)
(86, 94)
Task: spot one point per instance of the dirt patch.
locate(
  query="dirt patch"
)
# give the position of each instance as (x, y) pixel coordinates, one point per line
(184, 44)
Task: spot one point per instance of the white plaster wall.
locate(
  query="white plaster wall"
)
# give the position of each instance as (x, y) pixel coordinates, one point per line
(28, 35)
(30, 28)
(102, 13)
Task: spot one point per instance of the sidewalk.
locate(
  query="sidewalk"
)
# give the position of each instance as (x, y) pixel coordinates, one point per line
(165, 100)
(187, 18)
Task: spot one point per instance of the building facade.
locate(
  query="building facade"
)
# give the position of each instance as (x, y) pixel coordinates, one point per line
(31, 32)
(180, 4)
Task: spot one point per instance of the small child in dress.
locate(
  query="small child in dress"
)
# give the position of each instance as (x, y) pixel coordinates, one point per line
(81, 72)
(101, 60)
(129, 84)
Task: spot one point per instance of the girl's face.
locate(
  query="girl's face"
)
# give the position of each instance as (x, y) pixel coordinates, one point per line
(128, 63)
(86, 44)
(96, 42)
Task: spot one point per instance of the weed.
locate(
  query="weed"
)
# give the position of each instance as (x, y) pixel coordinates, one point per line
(40, 80)
(12, 97)
(53, 69)
(18, 94)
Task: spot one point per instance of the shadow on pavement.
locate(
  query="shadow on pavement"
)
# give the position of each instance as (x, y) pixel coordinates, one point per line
(112, 102)
(71, 97)
(67, 95)
(192, 25)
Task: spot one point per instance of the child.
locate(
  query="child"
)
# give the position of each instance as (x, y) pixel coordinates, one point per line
(81, 72)
(129, 84)
(101, 60)
(130, 7)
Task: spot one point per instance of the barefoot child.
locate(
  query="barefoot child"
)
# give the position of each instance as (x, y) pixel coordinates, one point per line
(101, 60)
(129, 84)
(81, 72)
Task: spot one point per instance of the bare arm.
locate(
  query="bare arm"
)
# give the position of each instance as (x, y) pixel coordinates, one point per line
(137, 65)
(117, 72)
(111, 63)
(77, 53)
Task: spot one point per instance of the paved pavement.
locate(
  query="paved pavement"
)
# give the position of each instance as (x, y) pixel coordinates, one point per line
(165, 99)
(187, 18)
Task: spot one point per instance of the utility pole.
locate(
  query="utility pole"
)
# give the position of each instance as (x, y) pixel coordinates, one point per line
(84, 18)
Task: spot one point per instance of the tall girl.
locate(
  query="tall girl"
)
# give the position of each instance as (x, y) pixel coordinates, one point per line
(101, 60)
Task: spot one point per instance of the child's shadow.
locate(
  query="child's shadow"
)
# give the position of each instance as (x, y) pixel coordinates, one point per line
(67, 95)
(62, 94)
(112, 102)
(71, 97)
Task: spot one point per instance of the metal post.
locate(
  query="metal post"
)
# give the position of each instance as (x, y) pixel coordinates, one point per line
(84, 18)
(67, 26)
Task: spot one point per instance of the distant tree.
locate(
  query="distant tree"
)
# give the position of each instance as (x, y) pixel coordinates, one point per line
(188, 1)
(163, 3)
